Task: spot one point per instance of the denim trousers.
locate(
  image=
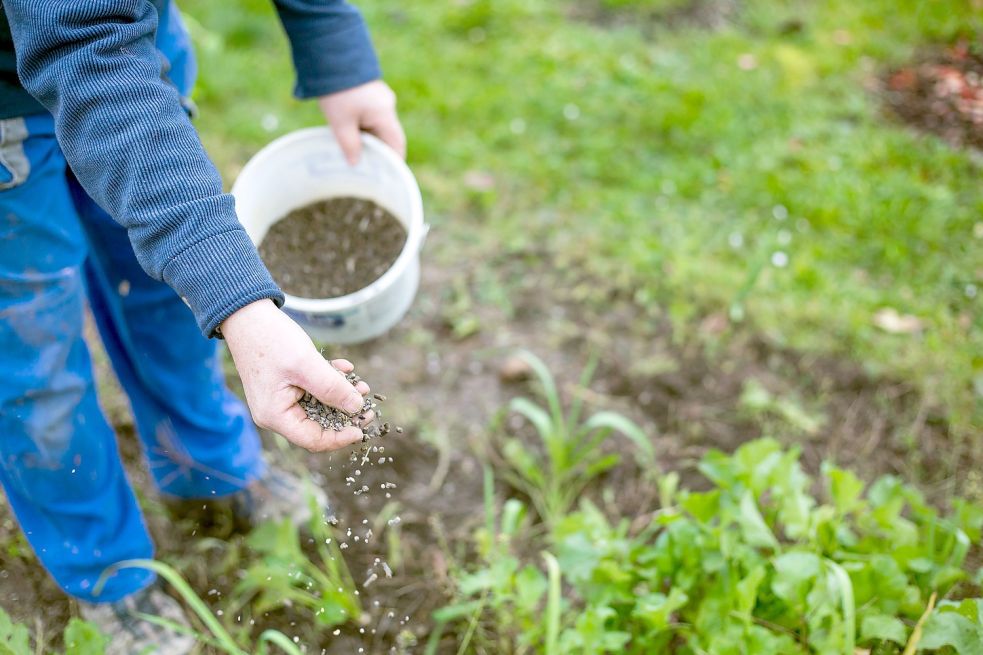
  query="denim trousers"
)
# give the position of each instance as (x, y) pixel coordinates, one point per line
(59, 463)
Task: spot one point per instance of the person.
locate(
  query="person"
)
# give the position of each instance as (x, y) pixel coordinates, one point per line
(107, 196)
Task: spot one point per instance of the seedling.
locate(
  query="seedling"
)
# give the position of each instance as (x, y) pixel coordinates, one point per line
(569, 456)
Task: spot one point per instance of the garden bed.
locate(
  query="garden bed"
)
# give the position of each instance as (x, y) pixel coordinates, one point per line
(447, 372)
(941, 92)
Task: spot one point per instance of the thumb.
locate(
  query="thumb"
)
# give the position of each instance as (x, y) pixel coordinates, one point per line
(349, 138)
(327, 384)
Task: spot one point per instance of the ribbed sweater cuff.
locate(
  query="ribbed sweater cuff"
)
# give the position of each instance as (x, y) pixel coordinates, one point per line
(220, 275)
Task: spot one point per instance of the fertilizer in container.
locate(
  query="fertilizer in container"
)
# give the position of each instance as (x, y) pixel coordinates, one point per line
(343, 242)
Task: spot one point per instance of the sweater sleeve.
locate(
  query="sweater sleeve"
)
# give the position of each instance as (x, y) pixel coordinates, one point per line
(123, 131)
(330, 43)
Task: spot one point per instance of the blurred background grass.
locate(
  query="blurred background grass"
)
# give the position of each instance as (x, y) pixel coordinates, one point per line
(747, 170)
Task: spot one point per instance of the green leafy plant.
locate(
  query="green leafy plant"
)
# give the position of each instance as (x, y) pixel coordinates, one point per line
(555, 472)
(81, 638)
(15, 639)
(503, 597)
(282, 574)
(757, 564)
(84, 638)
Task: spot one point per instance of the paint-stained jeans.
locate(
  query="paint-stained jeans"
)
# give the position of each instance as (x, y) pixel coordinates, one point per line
(59, 463)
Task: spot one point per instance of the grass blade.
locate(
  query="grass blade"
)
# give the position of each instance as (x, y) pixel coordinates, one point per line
(577, 403)
(553, 600)
(916, 633)
(279, 640)
(473, 624)
(489, 498)
(535, 415)
(629, 429)
(224, 639)
(550, 392)
(434, 640)
(550, 431)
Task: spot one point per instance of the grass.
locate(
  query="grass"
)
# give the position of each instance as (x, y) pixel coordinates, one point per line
(779, 194)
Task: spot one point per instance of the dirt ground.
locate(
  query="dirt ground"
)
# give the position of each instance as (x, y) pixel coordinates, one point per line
(941, 92)
(441, 371)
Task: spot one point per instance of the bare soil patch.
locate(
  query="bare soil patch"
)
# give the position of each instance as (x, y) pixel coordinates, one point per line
(941, 92)
(332, 247)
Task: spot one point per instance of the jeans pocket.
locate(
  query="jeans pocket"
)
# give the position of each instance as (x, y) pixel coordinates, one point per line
(14, 164)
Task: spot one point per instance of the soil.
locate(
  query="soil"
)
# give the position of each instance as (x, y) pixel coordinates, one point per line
(420, 491)
(332, 247)
(942, 93)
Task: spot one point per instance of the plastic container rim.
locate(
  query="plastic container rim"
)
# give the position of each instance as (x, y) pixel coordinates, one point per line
(416, 230)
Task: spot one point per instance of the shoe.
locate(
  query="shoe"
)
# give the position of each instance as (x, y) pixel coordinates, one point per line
(278, 495)
(129, 634)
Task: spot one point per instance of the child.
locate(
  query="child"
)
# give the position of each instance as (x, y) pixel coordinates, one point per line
(107, 195)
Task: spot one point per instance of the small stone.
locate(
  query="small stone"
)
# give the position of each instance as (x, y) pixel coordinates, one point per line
(514, 369)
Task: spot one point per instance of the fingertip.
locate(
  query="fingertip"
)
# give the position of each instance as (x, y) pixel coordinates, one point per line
(353, 148)
(362, 388)
(343, 365)
(350, 140)
(354, 403)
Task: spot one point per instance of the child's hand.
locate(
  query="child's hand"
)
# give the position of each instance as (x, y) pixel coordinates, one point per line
(370, 107)
(278, 362)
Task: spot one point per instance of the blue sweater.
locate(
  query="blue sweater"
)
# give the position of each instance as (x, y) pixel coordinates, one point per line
(93, 65)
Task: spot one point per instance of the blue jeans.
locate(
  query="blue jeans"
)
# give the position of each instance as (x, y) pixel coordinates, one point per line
(59, 463)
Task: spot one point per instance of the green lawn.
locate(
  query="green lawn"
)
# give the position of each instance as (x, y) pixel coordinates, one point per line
(777, 192)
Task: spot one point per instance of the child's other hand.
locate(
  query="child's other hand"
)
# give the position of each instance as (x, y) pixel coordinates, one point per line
(277, 362)
(370, 107)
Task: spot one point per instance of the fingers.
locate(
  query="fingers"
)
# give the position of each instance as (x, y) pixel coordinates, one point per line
(294, 425)
(328, 384)
(391, 133)
(347, 367)
(343, 365)
(349, 138)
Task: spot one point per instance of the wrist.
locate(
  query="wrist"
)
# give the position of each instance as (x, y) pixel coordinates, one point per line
(238, 320)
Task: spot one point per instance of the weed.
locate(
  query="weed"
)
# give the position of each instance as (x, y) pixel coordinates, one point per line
(502, 597)
(81, 638)
(282, 575)
(554, 472)
(784, 411)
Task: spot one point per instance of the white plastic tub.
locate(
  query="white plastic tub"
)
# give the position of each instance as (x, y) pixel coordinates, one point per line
(306, 166)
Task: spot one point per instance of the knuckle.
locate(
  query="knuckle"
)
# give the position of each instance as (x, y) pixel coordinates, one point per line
(331, 385)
